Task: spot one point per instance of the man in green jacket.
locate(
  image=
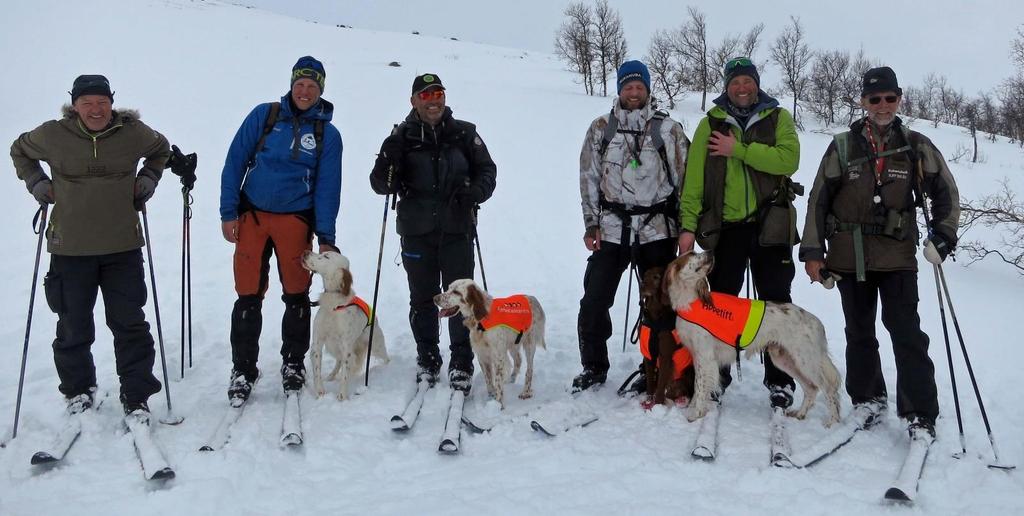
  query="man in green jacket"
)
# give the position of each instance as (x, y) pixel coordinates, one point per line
(94, 236)
(736, 198)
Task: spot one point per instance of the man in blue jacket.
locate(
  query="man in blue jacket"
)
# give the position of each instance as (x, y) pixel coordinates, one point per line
(281, 184)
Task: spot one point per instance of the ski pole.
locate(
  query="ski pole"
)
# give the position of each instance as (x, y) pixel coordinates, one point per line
(393, 198)
(170, 418)
(970, 371)
(941, 281)
(39, 217)
(629, 301)
(186, 276)
(949, 360)
(476, 238)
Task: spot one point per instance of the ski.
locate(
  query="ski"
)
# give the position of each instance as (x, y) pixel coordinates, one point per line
(61, 443)
(904, 489)
(556, 428)
(780, 449)
(474, 427)
(66, 437)
(835, 438)
(222, 433)
(403, 422)
(291, 424)
(154, 464)
(450, 439)
(706, 445)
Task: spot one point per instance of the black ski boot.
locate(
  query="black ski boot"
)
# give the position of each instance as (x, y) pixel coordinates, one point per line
(921, 428)
(293, 376)
(460, 376)
(81, 402)
(587, 379)
(871, 411)
(780, 396)
(240, 387)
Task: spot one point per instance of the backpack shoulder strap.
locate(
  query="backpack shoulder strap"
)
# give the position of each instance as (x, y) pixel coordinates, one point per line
(268, 125)
(842, 141)
(318, 136)
(659, 143)
(609, 132)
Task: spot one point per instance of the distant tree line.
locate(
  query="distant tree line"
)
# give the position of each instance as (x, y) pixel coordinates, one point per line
(824, 83)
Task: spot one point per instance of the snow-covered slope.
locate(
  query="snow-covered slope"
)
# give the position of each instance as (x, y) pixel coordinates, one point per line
(194, 69)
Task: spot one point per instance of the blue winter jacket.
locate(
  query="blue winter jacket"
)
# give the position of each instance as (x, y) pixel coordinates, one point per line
(285, 176)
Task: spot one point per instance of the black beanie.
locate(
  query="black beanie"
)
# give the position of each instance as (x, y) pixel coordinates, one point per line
(90, 85)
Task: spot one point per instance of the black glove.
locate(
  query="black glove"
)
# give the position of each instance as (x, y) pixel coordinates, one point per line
(469, 194)
(145, 186)
(392, 151)
(183, 166)
(936, 249)
(43, 191)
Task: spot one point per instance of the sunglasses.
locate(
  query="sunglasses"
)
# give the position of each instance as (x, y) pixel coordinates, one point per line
(737, 61)
(431, 95)
(890, 99)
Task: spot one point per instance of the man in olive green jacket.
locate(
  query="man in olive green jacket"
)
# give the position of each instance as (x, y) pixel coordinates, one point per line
(736, 198)
(94, 236)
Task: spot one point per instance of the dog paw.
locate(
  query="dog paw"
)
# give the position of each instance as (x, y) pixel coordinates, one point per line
(320, 393)
(829, 422)
(647, 403)
(525, 395)
(796, 414)
(342, 396)
(693, 414)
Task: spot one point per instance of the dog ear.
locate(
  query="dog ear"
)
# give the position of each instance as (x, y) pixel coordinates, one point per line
(346, 282)
(704, 292)
(475, 298)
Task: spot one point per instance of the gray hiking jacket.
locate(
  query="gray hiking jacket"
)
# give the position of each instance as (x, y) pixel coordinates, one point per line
(614, 177)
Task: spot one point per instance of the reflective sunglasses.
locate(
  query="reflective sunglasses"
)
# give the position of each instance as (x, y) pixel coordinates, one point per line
(890, 99)
(431, 94)
(737, 61)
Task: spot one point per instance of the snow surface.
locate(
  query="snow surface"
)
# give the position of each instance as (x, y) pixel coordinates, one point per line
(194, 69)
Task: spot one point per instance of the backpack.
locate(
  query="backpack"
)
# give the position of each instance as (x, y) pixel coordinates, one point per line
(268, 125)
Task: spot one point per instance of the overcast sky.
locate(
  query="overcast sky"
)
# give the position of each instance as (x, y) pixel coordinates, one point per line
(915, 37)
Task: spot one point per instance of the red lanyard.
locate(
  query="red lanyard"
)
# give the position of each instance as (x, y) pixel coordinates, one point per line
(879, 161)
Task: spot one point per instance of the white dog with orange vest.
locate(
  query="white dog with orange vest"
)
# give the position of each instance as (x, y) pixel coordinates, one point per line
(498, 328)
(342, 324)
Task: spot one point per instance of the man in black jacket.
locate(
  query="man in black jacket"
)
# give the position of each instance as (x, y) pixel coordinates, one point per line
(440, 169)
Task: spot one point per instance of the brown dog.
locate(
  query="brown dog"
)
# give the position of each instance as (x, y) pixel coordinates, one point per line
(663, 382)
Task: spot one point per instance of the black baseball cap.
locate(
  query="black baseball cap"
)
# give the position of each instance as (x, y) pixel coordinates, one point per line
(427, 80)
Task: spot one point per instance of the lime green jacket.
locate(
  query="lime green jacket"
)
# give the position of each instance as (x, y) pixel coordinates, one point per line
(740, 200)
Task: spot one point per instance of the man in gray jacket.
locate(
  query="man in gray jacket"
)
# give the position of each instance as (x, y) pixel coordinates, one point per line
(631, 170)
(94, 236)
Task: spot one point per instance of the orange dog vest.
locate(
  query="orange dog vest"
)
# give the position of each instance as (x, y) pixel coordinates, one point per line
(513, 312)
(357, 301)
(681, 359)
(732, 320)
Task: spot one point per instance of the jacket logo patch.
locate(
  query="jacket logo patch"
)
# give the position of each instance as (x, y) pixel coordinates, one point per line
(898, 174)
(854, 174)
(308, 142)
(477, 141)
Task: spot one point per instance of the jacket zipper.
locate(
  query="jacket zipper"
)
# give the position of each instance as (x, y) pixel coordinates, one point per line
(95, 137)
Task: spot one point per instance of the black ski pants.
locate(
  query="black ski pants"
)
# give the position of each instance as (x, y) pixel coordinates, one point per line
(432, 261)
(772, 270)
(916, 393)
(71, 287)
(600, 281)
